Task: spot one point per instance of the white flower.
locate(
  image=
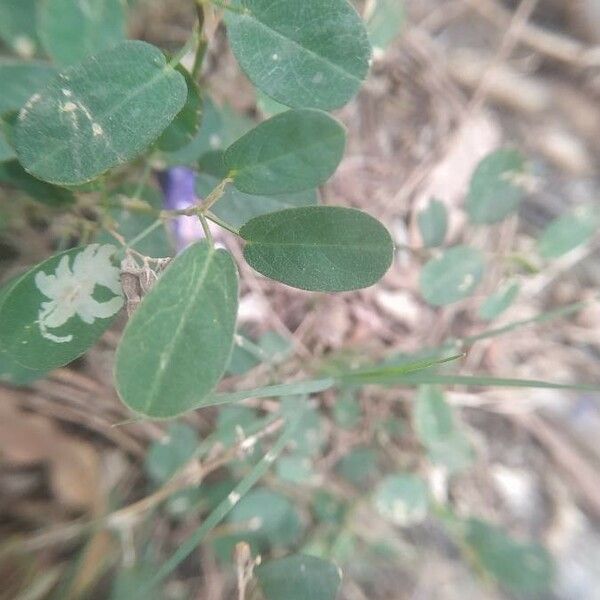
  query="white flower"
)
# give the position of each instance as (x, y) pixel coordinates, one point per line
(71, 291)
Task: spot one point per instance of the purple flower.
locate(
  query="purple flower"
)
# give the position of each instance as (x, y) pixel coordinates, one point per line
(179, 188)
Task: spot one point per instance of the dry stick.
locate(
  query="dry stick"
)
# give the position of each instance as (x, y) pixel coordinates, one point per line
(556, 46)
(509, 41)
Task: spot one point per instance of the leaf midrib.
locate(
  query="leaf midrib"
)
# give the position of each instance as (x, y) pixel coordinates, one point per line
(317, 142)
(168, 351)
(316, 245)
(320, 58)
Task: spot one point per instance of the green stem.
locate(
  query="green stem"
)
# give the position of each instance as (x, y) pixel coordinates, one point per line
(212, 217)
(215, 195)
(221, 511)
(191, 43)
(202, 42)
(206, 228)
(138, 238)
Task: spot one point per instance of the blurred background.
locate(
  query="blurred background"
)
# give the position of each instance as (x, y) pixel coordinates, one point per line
(82, 514)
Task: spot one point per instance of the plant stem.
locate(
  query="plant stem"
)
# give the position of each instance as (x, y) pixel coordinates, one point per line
(215, 195)
(191, 43)
(202, 42)
(212, 217)
(206, 228)
(138, 238)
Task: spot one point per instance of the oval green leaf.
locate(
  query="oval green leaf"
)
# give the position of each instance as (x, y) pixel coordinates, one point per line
(313, 53)
(299, 577)
(20, 80)
(264, 519)
(433, 224)
(434, 422)
(451, 277)
(569, 231)
(99, 114)
(494, 192)
(237, 208)
(71, 30)
(498, 302)
(402, 499)
(525, 568)
(177, 344)
(294, 151)
(57, 310)
(319, 248)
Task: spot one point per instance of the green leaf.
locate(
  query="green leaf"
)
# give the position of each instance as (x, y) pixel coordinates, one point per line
(6, 150)
(168, 455)
(569, 231)
(432, 415)
(18, 26)
(15, 374)
(435, 426)
(311, 386)
(394, 370)
(310, 54)
(131, 225)
(57, 310)
(385, 22)
(295, 468)
(129, 580)
(13, 175)
(451, 277)
(20, 80)
(71, 30)
(433, 224)
(426, 377)
(186, 124)
(310, 435)
(177, 344)
(264, 519)
(494, 192)
(520, 567)
(299, 577)
(294, 151)
(359, 466)
(320, 248)
(498, 302)
(402, 499)
(237, 208)
(99, 114)
(347, 411)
